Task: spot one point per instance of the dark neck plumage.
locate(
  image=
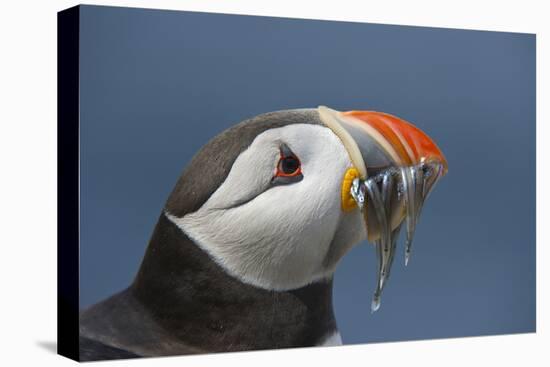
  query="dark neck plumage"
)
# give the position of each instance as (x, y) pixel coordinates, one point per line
(193, 298)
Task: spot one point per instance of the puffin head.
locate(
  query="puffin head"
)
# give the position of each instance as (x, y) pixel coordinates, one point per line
(278, 199)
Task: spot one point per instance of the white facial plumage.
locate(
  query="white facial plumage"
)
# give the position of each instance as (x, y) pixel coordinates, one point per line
(285, 236)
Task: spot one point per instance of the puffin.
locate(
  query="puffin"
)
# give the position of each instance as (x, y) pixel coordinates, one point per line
(245, 249)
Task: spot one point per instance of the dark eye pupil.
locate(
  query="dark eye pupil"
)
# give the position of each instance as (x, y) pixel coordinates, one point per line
(289, 165)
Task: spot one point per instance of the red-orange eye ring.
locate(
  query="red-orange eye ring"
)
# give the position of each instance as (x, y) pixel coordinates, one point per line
(289, 167)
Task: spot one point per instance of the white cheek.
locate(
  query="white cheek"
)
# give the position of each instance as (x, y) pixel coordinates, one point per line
(279, 239)
(250, 173)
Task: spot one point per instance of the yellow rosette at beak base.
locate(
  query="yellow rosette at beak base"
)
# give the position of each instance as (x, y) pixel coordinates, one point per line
(348, 203)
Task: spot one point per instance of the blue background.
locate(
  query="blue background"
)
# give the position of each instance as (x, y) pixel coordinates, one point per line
(157, 85)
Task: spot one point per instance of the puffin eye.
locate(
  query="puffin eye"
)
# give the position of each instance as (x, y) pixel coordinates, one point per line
(288, 169)
(289, 166)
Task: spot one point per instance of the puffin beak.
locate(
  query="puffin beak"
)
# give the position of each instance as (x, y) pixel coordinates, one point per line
(395, 167)
(401, 141)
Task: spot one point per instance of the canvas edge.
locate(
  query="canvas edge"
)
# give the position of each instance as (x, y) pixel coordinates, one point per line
(68, 211)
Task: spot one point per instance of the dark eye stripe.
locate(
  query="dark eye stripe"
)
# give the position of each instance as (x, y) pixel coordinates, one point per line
(286, 151)
(285, 180)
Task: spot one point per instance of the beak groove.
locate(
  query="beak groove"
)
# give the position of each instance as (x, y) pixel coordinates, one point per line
(411, 144)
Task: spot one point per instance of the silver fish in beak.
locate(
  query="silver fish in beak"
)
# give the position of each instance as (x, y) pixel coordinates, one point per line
(396, 166)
